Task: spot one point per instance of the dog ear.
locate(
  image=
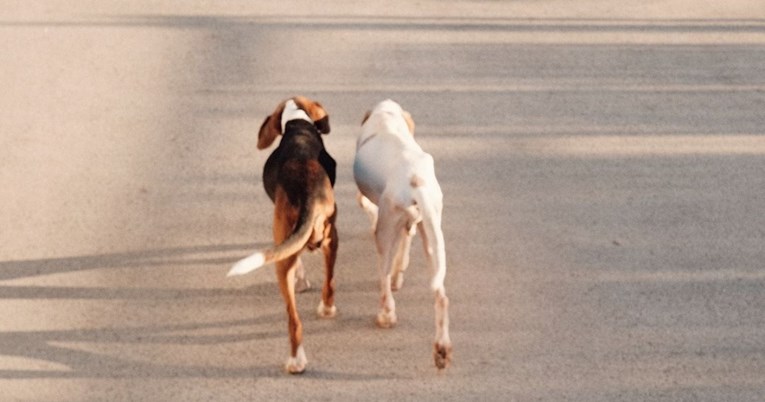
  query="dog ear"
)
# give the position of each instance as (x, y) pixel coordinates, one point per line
(271, 128)
(315, 111)
(409, 122)
(322, 124)
(366, 117)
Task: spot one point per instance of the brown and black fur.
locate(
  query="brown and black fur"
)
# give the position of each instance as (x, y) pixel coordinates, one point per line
(298, 177)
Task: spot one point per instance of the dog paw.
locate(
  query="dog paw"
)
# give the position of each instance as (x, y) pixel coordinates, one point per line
(326, 312)
(442, 354)
(397, 281)
(301, 285)
(386, 319)
(296, 365)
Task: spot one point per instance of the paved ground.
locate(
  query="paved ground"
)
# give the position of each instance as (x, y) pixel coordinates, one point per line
(603, 167)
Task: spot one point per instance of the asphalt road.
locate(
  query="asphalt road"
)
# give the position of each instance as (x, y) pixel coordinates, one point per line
(603, 167)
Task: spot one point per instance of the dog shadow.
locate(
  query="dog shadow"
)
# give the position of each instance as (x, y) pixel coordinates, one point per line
(47, 346)
(52, 355)
(16, 269)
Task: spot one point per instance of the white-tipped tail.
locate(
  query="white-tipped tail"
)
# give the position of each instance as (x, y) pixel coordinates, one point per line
(248, 264)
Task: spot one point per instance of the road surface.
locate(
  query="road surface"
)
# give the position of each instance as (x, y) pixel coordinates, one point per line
(603, 167)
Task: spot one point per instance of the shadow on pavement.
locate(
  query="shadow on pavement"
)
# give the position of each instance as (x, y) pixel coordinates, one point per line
(169, 256)
(48, 346)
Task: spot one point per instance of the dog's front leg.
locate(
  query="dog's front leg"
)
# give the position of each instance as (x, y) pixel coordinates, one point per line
(327, 307)
(386, 315)
(401, 261)
(370, 208)
(302, 283)
(388, 237)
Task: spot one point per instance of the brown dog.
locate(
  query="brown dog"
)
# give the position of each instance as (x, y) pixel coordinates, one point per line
(298, 177)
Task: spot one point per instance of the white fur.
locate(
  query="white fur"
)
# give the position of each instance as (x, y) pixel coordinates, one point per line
(248, 264)
(296, 365)
(326, 312)
(386, 319)
(293, 112)
(400, 193)
(369, 208)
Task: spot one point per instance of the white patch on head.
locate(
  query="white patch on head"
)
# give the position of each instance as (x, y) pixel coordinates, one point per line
(293, 112)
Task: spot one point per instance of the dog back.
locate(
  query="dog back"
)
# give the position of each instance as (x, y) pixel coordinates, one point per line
(300, 142)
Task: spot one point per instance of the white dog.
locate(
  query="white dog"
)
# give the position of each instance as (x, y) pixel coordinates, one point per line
(399, 191)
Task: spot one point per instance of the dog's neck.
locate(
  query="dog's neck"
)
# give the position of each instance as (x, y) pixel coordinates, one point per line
(293, 112)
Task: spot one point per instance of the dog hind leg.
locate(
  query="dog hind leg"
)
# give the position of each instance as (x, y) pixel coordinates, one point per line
(432, 239)
(285, 272)
(442, 347)
(285, 218)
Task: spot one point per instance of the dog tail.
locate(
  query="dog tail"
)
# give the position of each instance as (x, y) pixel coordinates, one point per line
(428, 199)
(293, 244)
